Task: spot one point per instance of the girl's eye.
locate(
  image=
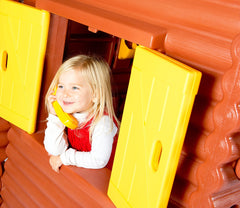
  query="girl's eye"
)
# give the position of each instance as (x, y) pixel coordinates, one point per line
(75, 88)
(60, 86)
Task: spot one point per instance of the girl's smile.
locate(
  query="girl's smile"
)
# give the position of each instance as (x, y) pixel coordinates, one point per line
(66, 103)
(74, 93)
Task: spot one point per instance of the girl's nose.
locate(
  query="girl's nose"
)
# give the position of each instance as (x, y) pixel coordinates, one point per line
(66, 94)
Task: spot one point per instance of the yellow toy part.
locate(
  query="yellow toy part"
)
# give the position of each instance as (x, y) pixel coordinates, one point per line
(158, 105)
(125, 52)
(24, 32)
(67, 119)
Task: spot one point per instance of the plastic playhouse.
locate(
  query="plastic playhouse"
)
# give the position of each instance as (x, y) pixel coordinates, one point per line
(175, 71)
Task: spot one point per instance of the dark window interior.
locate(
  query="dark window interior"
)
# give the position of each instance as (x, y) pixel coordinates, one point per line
(80, 40)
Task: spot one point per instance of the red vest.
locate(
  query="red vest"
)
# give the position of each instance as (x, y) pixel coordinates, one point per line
(79, 140)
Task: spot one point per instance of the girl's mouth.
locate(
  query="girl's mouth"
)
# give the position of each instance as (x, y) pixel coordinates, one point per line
(67, 103)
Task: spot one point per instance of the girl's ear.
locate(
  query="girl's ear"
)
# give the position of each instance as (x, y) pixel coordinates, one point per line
(95, 97)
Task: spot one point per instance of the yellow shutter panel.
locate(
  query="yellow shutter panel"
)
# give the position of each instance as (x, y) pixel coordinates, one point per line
(158, 105)
(23, 39)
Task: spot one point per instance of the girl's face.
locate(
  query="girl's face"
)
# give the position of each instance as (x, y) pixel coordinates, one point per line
(74, 93)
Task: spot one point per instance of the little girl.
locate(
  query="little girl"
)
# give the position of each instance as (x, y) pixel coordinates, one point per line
(83, 90)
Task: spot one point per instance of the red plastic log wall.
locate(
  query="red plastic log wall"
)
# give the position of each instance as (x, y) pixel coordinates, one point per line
(204, 34)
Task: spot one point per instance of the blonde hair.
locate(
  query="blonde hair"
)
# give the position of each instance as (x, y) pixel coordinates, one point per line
(97, 72)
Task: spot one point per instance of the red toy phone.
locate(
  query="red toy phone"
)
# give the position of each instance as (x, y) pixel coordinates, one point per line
(67, 119)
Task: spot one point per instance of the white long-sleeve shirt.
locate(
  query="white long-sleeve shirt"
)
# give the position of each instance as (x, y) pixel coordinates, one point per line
(56, 142)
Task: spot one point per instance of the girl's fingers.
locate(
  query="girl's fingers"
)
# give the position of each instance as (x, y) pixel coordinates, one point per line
(51, 98)
(55, 163)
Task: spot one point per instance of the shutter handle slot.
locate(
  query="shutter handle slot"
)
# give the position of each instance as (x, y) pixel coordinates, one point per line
(3, 60)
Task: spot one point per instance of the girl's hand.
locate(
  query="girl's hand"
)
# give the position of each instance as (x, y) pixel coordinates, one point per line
(55, 162)
(51, 99)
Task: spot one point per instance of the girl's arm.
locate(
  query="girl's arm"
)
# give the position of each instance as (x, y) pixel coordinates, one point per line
(55, 140)
(98, 157)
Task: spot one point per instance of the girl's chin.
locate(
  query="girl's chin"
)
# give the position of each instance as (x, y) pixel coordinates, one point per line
(69, 112)
(66, 110)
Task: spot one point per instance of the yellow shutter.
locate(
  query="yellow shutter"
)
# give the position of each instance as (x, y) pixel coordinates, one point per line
(159, 101)
(23, 41)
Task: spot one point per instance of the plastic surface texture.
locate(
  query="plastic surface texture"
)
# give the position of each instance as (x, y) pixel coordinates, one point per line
(30, 182)
(159, 101)
(24, 31)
